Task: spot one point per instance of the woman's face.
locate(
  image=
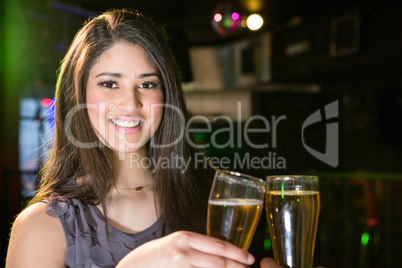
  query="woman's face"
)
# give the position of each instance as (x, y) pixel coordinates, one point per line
(124, 97)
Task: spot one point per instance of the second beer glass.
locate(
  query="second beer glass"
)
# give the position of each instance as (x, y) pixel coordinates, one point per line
(234, 207)
(292, 205)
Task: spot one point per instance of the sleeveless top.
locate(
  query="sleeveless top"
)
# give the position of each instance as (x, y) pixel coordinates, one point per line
(85, 232)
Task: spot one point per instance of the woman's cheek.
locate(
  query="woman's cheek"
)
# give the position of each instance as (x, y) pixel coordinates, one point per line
(157, 108)
(96, 108)
(94, 97)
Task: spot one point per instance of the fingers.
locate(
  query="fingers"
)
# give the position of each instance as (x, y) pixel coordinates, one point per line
(268, 263)
(187, 249)
(200, 260)
(218, 248)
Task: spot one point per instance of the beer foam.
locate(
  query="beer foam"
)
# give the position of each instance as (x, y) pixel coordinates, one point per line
(235, 202)
(293, 192)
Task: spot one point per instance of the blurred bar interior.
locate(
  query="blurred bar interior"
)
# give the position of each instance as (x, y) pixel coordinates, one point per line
(307, 54)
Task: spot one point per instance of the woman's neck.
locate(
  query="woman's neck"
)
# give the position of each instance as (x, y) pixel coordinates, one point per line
(131, 170)
(131, 211)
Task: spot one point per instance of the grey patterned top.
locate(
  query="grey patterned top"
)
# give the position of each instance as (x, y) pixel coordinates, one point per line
(85, 232)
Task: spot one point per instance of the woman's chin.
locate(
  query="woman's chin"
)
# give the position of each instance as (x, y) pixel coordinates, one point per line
(130, 151)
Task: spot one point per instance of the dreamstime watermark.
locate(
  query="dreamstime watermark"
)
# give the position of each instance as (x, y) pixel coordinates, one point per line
(237, 133)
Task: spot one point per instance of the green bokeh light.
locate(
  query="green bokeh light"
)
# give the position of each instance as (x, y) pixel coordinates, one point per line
(365, 239)
(267, 244)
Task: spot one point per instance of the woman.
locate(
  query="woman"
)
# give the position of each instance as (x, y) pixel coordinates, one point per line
(120, 187)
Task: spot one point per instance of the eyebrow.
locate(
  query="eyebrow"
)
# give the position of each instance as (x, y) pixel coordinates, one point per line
(148, 75)
(119, 75)
(116, 75)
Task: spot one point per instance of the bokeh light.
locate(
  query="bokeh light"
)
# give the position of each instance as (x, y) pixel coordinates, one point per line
(217, 17)
(227, 20)
(235, 16)
(254, 22)
(46, 102)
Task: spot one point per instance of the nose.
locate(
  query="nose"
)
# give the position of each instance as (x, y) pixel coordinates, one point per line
(129, 101)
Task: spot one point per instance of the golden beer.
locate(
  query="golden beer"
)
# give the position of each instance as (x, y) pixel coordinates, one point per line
(234, 220)
(292, 220)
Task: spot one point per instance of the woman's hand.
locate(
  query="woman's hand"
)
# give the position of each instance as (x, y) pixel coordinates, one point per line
(268, 263)
(187, 249)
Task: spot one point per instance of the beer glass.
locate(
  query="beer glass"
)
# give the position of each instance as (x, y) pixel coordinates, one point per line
(292, 204)
(234, 208)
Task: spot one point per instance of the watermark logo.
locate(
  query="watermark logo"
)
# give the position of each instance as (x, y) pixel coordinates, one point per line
(331, 154)
(236, 133)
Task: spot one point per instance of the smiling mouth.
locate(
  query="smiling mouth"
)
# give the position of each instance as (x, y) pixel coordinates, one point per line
(126, 123)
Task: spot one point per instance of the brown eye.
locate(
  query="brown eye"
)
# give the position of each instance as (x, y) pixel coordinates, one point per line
(108, 84)
(149, 85)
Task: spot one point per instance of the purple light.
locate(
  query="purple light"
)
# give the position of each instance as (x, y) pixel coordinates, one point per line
(235, 16)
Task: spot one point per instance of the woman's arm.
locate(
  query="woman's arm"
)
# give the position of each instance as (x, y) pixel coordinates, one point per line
(37, 240)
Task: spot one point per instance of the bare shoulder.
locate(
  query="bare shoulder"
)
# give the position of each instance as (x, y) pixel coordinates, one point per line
(35, 213)
(37, 240)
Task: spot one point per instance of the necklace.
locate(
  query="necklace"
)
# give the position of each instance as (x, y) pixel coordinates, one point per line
(136, 189)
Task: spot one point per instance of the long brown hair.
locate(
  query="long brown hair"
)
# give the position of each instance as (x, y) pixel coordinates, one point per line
(182, 194)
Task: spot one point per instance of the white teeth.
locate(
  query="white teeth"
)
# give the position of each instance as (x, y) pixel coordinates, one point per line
(126, 123)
